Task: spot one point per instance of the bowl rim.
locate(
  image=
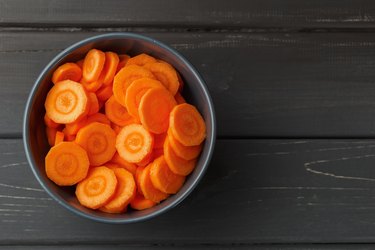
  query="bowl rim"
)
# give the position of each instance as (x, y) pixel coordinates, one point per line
(61, 55)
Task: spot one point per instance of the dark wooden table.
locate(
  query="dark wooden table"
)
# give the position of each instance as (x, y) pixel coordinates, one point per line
(293, 83)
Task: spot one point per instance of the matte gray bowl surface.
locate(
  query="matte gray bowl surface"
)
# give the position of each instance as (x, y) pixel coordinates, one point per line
(35, 141)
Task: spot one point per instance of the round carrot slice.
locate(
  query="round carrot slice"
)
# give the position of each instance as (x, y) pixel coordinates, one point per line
(184, 152)
(123, 60)
(117, 113)
(98, 117)
(51, 135)
(66, 164)
(93, 65)
(104, 93)
(93, 104)
(99, 141)
(74, 127)
(146, 160)
(97, 188)
(125, 191)
(59, 137)
(187, 125)
(134, 143)
(131, 167)
(176, 164)
(154, 110)
(148, 189)
(179, 98)
(91, 86)
(141, 60)
(163, 178)
(166, 74)
(67, 71)
(109, 69)
(125, 77)
(66, 102)
(49, 122)
(135, 92)
(141, 203)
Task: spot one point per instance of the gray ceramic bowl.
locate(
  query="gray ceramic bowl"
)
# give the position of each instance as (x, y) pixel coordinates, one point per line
(35, 140)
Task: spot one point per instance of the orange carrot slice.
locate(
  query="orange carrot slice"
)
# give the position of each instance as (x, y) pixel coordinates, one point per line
(68, 137)
(99, 141)
(176, 164)
(74, 127)
(80, 63)
(184, 152)
(148, 189)
(116, 127)
(125, 191)
(93, 65)
(146, 160)
(117, 113)
(141, 203)
(50, 123)
(91, 86)
(66, 164)
(66, 102)
(163, 178)
(134, 143)
(187, 125)
(97, 188)
(181, 82)
(137, 178)
(141, 60)
(159, 140)
(135, 92)
(166, 74)
(67, 71)
(123, 60)
(154, 110)
(104, 93)
(51, 135)
(59, 137)
(125, 77)
(98, 117)
(131, 167)
(179, 98)
(93, 104)
(109, 69)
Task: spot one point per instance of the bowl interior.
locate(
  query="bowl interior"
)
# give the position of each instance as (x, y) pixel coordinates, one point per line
(34, 129)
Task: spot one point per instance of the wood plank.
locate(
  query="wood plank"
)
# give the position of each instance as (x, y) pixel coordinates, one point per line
(262, 85)
(255, 191)
(180, 13)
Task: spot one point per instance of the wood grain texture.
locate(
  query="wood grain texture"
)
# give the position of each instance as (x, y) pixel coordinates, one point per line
(262, 85)
(190, 14)
(255, 191)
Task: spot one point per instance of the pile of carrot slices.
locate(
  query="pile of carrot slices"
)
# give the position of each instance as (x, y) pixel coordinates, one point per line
(120, 130)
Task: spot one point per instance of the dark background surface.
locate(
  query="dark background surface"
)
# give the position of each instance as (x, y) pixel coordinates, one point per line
(293, 83)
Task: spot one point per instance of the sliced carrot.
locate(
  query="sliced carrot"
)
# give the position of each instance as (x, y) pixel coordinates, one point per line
(135, 92)
(155, 108)
(103, 209)
(159, 140)
(98, 117)
(166, 74)
(137, 178)
(163, 178)
(116, 127)
(141, 60)
(146, 160)
(80, 63)
(51, 135)
(93, 104)
(59, 137)
(66, 164)
(111, 165)
(69, 137)
(179, 98)
(184, 152)
(181, 82)
(97, 188)
(134, 143)
(187, 125)
(117, 113)
(91, 86)
(104, 93)
(74, 127)
(125, 77)
(67, 71)
(125, 191)
(99, 141)
(117, 159)
(157, 152)
(123, 60)
(66, 102)
(93, 65)
(148, 189)
(109, 69)
(50, 123)
(176, 164)
(141, 203)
